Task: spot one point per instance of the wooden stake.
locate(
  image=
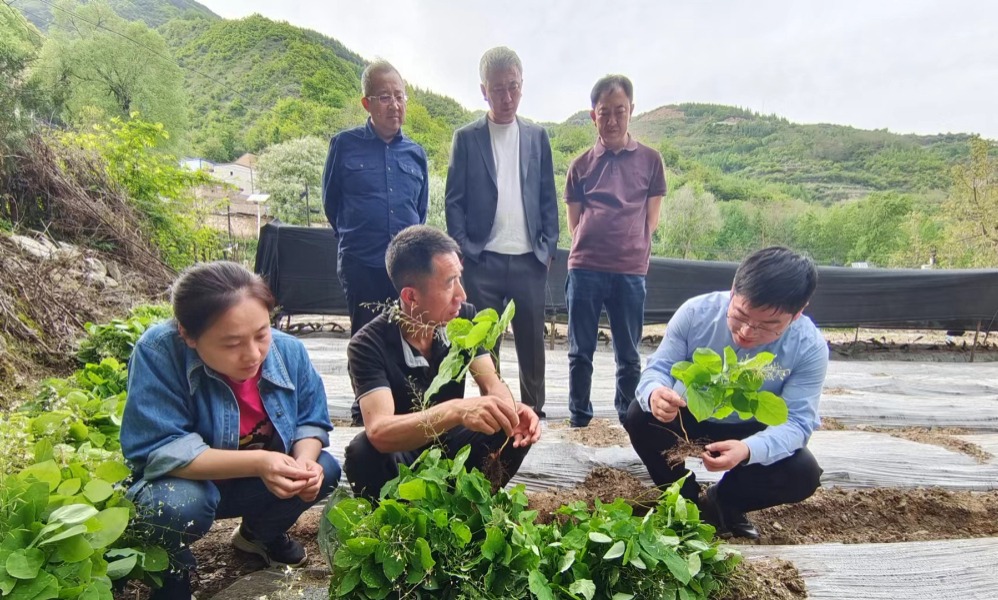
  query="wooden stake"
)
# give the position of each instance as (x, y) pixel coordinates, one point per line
(973, 348)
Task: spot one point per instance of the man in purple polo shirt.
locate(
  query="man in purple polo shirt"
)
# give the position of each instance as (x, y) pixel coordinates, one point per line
(614, 192)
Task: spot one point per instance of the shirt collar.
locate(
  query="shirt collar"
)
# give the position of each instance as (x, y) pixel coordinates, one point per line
(371, 134)
(599, 149)
(273, 369)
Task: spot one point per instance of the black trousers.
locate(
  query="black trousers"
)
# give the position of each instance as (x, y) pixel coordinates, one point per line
(368, 469)
(363, 285)
(491, 282)
(743, 488)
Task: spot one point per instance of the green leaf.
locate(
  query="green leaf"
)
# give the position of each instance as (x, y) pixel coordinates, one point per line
(394, 566)
(679, 568)
(622, 596)
(567, 561)
(43, 451)
(700, 404)
(73, 549)
(121, 567)
(424, 554)
(461, 531)
(155, 558)
(69, 487)
(73, 514)
(539, 584)
(47, 472)
(771, 410)
(111, 523)
(362, 546)
(414, 489)
(112, 471)
(460, 460)
(494, 543)
(730, 357)
(457, 331)
(64, 534)
(507, 316)
(476, 337)
(615, 551)
(25, 563)
(487, 315)
(599, 538)
(693, 560)
(43, 587)
(763, 359)
(97, 490)
(708, 359)
(348, 583)
(584, 587)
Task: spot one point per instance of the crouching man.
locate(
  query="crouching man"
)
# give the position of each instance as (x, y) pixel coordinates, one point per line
(393, 359)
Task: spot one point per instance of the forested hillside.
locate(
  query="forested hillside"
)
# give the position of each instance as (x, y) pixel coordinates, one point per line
(151, 12)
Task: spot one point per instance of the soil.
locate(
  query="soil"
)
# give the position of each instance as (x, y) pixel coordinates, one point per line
(765, 579)
(601, 433)
(604, 483)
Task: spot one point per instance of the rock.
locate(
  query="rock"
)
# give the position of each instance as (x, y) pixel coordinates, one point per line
(43, 248)
(113, 271)
(95, 267)
(68, 251)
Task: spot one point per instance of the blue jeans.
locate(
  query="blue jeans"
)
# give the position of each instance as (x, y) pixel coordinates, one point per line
(176, 512)
(623, 296)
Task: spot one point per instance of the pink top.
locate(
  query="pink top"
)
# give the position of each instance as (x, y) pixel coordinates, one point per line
(256, 432)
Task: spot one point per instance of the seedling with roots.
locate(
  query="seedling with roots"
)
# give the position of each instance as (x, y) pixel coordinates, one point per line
(717, 387)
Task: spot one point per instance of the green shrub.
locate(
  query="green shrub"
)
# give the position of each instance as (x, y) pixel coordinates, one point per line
(117, 338)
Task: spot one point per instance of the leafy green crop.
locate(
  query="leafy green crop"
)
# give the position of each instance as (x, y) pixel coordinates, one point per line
(717, 387)
(440, 533)
(117, 338)
(466, 337)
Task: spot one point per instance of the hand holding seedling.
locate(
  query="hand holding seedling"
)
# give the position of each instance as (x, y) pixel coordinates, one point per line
(665, 404)
(487, 414)
(311, 489)
(725, 455)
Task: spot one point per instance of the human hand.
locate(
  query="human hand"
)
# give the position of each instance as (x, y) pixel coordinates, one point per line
(665, 403)
(311, 490)
(282, 474)
(726, 455)
(529, 429)
(488, 414)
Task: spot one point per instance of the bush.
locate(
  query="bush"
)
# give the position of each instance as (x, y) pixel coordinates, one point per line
(117, 338)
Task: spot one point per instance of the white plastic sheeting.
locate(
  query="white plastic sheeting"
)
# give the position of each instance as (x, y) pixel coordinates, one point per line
(938, 570)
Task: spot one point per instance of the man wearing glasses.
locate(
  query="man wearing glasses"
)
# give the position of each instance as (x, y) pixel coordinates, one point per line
(374, 185)
(763, 466)
(502, 208)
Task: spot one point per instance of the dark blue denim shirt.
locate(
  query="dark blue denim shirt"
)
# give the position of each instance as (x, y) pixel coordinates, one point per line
(178, 407)
(372, 190)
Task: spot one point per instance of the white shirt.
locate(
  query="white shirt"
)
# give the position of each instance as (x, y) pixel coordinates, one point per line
(509, 231)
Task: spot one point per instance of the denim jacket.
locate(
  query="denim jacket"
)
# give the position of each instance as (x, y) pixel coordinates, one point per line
(178, 407)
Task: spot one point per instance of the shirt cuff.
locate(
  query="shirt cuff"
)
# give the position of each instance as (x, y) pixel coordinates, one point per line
(174, 455)
(758, 451)
(311, 431)
(644, 392)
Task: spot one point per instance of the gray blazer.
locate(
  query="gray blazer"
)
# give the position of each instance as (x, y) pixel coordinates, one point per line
(472, 194)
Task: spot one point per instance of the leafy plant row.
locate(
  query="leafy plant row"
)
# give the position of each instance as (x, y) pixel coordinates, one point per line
(439, 532)
(64, 516)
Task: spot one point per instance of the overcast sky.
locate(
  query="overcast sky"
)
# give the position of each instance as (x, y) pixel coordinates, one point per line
(911, 66)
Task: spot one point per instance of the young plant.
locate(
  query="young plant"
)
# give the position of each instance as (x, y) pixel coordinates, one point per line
(716, 387)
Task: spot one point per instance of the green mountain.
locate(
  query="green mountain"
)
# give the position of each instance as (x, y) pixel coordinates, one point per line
(152, 12)
(814, 162)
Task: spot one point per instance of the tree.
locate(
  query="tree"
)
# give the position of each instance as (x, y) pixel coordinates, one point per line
(96, 66)
(689, 224)
(19, 41)
(285, 171)
(972, 207)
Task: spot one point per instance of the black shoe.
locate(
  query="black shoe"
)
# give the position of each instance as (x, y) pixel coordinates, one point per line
(729, 523)
(282, 551)
(176, 586)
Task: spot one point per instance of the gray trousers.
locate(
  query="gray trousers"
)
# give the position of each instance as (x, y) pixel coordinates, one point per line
(491, 282)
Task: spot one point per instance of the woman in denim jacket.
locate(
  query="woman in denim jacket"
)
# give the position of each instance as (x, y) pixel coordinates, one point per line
(225, 417)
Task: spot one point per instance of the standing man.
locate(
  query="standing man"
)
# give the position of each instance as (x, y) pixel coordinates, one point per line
(375, 184)
(763, 466)
(614, 192)
(502, 209)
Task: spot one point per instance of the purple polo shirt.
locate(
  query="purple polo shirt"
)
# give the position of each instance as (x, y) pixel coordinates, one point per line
(614, 189)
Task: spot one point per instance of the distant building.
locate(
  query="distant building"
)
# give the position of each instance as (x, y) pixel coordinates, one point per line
(229, 201)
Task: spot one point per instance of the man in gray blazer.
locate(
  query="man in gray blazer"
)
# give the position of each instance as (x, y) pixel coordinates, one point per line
(502, 208)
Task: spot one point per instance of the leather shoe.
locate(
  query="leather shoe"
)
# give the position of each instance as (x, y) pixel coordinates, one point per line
(729, 523)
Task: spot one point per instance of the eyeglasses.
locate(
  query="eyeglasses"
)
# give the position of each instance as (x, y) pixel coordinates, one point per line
(386, 99)
(512, 89)
(744, 323)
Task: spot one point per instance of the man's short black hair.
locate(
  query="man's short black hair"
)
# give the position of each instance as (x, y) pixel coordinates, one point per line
(609, 84)
(777, 278)
(409, 258)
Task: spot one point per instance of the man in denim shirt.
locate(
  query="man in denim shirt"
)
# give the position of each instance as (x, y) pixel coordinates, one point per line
(374, 185)
(763, 466)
